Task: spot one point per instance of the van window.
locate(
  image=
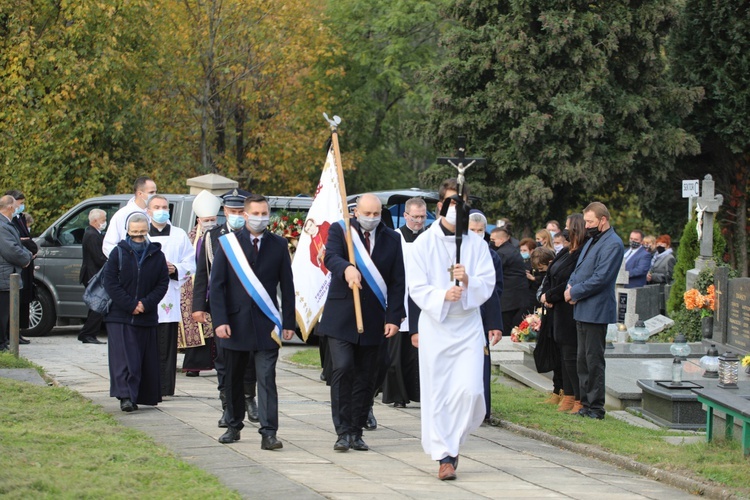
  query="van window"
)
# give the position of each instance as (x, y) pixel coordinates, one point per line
(71, 231)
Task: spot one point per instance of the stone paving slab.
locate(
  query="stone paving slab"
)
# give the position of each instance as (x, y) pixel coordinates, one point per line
(495, 462)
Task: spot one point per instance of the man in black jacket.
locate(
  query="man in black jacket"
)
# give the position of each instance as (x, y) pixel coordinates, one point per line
(93, 261)
(514, 295)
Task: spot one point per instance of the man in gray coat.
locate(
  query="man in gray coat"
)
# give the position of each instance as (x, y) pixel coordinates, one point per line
(591, 288)
(13, 258)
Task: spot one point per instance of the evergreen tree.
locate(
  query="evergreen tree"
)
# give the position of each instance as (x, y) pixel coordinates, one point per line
(712, 49)
(564, 99)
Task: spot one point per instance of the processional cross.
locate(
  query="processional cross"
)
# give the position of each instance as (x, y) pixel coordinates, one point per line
(460, 163)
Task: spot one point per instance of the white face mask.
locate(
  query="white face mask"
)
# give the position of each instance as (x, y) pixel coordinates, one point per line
(450, 216)
(368, 223)
(208, 225)
(558, 247)
(103, 226)
(257, 223)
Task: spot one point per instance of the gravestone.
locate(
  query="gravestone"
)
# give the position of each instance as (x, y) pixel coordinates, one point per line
(707, 206)
(738, 314)
(721, 284)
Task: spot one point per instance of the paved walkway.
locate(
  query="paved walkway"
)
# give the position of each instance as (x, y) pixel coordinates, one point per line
(495, 463)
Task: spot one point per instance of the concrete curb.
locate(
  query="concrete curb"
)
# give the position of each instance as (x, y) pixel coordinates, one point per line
(684, 483)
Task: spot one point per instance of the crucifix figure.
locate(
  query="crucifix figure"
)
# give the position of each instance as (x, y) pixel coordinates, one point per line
(460, 163)
(708, 205)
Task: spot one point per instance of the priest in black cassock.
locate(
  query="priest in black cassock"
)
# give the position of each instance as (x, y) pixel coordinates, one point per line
(401, 384)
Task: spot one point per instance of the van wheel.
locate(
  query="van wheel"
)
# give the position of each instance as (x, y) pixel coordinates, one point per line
(41, 315)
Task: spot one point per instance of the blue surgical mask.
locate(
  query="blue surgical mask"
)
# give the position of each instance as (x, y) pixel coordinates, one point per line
(20, 209)
(235, 221)
(160, 216)
(524, 255)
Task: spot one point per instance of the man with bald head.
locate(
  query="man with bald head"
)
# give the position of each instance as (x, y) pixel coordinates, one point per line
(379, 275)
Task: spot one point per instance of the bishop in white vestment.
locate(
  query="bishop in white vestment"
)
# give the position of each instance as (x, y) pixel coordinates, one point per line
(451, 336)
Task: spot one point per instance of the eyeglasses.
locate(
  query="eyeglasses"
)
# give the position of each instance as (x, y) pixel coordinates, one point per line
(417, 217)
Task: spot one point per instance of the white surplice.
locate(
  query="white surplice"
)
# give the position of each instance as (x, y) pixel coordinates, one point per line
(451, 337)
(178, 251)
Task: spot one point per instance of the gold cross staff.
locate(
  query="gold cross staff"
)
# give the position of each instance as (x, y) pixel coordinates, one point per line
(450, 270)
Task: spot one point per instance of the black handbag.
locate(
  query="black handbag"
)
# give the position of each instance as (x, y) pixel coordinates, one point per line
(95, 296)
(546, 354)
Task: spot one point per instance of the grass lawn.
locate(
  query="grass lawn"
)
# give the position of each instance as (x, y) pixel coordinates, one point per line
(56, 444)
(309, 358)
(719, 461)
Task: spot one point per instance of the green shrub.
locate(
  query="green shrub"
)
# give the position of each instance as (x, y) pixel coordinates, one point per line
(687, 252)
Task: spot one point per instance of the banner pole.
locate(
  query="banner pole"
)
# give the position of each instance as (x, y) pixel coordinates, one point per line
(347, 232)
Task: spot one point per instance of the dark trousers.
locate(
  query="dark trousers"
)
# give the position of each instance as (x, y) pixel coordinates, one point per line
(591, 364)
(166, 334)
(512, 318)
(569, 368)
(352, 379)
(220, 366)
(92, 327)
(236, 363)
(4, 318)
(381, 368)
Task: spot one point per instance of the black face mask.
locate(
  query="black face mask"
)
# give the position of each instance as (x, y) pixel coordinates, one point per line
(634, 245)
(566, 234)
(660, 249)
(592, 232)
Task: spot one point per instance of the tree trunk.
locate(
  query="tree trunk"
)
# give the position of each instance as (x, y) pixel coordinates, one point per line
(239, 128)
(741, 232)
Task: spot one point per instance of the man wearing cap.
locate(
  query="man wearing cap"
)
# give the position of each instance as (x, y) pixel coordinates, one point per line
(143, 188)
(195, 337)
(181, 265)
(234, 209)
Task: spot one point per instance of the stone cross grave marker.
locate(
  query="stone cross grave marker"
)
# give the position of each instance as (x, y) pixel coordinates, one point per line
(707, 206)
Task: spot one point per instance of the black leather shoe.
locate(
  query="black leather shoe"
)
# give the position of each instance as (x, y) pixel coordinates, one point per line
(127, 405)
(322, 376)
(358, 444)
(342, 444)
(252, 409)
(92, 340)
(23, 341)
(371, 423)
(399, 404)
(270, 443)
(192, 374)
(230, 436)
(594, 415)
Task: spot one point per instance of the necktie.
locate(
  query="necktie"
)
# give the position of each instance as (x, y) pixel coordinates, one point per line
(367, 241)
(255, 245)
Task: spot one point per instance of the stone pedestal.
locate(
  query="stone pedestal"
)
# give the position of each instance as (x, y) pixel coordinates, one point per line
(214, 183)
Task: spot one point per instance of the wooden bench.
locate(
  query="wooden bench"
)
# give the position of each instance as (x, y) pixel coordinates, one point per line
(735, 404)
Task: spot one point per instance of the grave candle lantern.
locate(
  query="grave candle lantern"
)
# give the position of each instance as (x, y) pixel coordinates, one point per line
(639, 333)
(680, 348)
(729, 368)
(677, 371)
(710, 363)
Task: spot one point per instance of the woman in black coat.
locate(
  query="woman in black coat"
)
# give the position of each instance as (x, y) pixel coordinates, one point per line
(563, 324)
(136, 278)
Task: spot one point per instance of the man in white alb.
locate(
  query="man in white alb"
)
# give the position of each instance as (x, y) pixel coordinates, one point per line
(451, 336)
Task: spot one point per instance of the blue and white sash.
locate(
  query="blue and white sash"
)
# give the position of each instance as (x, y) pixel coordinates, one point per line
(250, 281)
(367, 267)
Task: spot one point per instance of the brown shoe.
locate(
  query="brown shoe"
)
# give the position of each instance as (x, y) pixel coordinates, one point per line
(553, 399)
(576, 407)
(447, 472)
(566, 403)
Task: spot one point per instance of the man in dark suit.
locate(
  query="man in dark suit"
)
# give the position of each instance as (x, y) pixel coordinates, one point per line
(637, 260)
(591, 289)
(93, 260)
(27, 273)
(234, 208)
(515, 283)
(249, 266)
(354, 355)
(13, 258)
